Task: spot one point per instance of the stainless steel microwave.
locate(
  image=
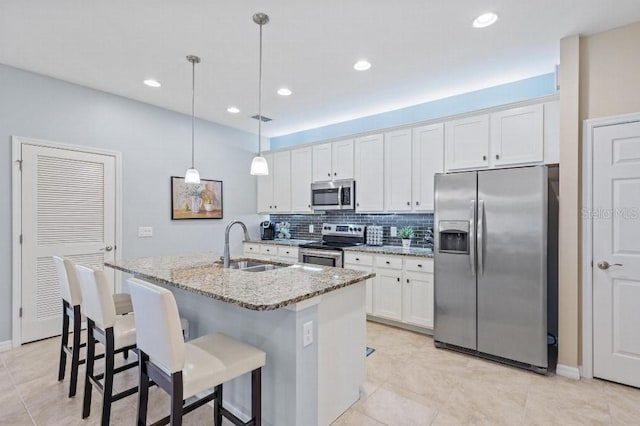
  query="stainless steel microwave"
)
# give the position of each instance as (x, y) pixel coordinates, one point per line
(336, 195)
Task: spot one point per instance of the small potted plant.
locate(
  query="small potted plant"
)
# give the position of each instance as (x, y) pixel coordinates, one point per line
(406, 233)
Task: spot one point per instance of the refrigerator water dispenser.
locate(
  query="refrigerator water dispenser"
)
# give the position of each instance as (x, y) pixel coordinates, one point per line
(454, 237)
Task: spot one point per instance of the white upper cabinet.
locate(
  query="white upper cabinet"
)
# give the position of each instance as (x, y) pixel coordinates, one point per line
(282, 181)
(301, 180)
(265, 188)
(342, 155)
(467, 143)
(369, 165)
(322, 162)
(397, 171)
(333, 161)
(428, 159)
(517, 136)
(552, 132)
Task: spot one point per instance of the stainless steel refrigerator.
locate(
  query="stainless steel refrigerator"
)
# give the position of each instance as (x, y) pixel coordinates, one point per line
(496, 263)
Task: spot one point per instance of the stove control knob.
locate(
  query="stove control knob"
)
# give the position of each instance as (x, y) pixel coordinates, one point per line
(350, 229)
(359, 229)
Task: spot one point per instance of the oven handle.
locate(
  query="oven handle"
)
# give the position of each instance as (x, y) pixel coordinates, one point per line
(321, 253)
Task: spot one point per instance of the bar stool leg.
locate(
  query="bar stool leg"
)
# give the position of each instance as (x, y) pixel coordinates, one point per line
(256, 396)
(108, 376)
(75, 355)
(176, 399)
(143, 388)
(64, 342)
(217, 406)
(91, 352)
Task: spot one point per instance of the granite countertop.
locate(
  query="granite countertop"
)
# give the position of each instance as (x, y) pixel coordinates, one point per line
(259, 291)
(280, 242)
(397, 250)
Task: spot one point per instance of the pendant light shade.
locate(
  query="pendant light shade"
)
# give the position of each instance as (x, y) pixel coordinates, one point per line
(192, 175)
(259, 166)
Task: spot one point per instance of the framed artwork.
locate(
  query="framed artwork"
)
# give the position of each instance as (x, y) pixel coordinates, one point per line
(196, 201)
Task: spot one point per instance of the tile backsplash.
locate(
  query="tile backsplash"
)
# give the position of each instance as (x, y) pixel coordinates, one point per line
(422, 225)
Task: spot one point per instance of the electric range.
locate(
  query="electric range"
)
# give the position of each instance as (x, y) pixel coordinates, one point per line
(328, 251)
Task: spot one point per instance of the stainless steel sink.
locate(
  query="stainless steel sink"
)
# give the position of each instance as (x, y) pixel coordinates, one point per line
(253, 266)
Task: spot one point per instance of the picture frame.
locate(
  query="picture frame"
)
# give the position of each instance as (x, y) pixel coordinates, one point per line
(196, 201)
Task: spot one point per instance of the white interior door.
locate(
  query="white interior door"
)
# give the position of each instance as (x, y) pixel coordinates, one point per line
(68, 209)
(616, 253)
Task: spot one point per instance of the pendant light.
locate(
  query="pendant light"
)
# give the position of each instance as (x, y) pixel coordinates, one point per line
(259, 166)
(192, 175)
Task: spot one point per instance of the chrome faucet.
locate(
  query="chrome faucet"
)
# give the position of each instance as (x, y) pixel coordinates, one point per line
(225, 259)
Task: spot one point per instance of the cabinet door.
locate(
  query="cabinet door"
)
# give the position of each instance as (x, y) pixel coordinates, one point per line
(342, 153)
(428, 159)
(368, 283)
(552, 132)
(301, 180)
(322, 162)
(467, 143)
(282, 181)
(369, 165)
(387, 294)
(517, 136)
(265, 188)
(418, 299)
(397, 171)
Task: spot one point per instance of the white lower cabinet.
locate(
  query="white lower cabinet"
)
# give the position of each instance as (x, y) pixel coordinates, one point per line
(417, 299)
(387, 294)
(273, 252)
(368, 283)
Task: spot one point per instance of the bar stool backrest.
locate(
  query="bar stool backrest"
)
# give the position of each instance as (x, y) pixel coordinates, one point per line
(158, 328)
(97, 296)
(68, 280)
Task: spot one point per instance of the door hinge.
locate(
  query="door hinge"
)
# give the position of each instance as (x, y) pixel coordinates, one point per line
(19, 164)
(20, 312)
(20, 238)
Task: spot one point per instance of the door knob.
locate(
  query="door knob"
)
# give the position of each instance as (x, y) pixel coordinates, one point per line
(604, 265)
(107, 248)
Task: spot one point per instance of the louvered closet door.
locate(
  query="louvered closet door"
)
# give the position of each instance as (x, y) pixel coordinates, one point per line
(68, 209)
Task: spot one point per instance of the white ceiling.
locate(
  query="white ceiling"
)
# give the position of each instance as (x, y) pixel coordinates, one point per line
(420, 50)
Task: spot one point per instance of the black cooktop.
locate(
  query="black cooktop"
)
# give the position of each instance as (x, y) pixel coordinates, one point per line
(324, 245)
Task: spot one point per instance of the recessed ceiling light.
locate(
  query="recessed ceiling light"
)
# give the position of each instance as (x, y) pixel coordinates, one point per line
(362, 65)
(152, 83)
(283, 91)
(485, 20)
(233, 110)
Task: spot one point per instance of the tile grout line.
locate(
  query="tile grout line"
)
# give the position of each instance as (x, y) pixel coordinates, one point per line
(15, 387)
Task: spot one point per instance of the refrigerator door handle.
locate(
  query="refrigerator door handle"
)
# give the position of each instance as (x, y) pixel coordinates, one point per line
(472, 238)
(480, 237)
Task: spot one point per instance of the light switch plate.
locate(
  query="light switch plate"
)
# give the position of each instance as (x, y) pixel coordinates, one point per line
(307, 333)
(393, 231)
(145, 231)
(311, 229)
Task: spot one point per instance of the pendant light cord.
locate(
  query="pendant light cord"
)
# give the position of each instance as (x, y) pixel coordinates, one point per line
(260, 98)
(193, 111)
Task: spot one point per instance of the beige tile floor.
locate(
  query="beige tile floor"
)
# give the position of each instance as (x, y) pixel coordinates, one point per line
(409, 382)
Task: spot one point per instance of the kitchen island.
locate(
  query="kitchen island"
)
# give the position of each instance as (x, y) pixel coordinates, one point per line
(307, 380)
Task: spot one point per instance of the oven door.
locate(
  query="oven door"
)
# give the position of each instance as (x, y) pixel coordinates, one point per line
(321, 257)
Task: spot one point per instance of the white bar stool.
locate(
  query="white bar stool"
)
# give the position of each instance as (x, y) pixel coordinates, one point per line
(116, 332)
(186, 369)
(71, 312)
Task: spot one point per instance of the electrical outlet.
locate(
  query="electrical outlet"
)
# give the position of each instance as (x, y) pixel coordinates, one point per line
(145, 231)
(311, 229)
(393, 231)
(307, 333)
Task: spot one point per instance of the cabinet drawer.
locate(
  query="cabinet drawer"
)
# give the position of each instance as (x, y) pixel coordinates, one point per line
(270, 250)
(358, 259)
(392, 262)
(288, 252)
(419, 265)
(251, 248)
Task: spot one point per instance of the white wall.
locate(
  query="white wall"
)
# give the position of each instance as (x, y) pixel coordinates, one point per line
(155, 144)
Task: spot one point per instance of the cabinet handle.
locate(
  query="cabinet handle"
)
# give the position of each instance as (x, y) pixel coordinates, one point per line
(358, 259)
(484, 158)
(335, 173)
(287, 252)
(275, 207)
(357, 204)
(417, 203)
(407, 280)
(329, 174)
(497, 156)
(388, 263)
(398, 279)
(270, 207)
(419, 266)
(408, 203)
(309, 205)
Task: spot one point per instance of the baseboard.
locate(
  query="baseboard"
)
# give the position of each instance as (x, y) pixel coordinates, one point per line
(7, 345)
(567, 371)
